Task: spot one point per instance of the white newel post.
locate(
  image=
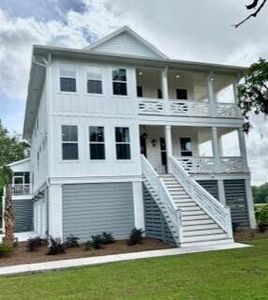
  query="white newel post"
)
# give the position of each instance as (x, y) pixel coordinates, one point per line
(221, 192)
(168, 138)
(55, 211)
(243, 150)
(216, 149)
(210, 92)
(164, 80)
(250, 203)
(138, 205)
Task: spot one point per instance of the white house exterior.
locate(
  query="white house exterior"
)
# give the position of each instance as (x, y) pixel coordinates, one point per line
(123, 136)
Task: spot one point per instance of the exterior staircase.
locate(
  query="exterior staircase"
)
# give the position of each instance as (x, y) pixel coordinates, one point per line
(193, 216)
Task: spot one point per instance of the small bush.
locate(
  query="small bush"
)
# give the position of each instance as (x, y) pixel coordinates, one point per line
(97, 241)
(72, 241)
(135, 237)
(56, 246)
(107, 238)
(34, 244)
(5, 250)
(262, 218)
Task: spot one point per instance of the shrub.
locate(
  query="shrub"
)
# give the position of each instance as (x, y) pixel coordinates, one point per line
(56, 246)
(135, 237)
(72, 241)
(262, 218)
(5, 250)
(34, 244)
(107, 238)
(235, 225)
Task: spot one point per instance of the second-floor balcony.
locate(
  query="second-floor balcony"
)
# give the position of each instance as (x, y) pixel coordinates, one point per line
(21, 189)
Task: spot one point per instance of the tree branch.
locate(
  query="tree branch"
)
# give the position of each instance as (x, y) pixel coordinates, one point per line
(253, 14)
(252, 5)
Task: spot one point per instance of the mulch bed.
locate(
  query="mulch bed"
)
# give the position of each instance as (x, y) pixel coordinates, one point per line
(249, 235)
(22, 256)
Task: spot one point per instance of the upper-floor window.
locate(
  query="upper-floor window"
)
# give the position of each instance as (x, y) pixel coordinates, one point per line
(122, 140)
(96, 142)
(94, 80)
(69, 142)
(186, 146)
(181, 94)
(119, 77)
(67, 78)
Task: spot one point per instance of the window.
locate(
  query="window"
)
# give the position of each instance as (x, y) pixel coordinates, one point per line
(122, 141)
(94, 80)
(139, 91)
(181, 94)
(159, 94)
(69, 142)
(119, 82)
(67, 78)
(186, 146)
(96, 143)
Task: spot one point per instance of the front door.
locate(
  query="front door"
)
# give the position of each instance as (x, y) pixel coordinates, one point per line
(143, 145)
(163, 153)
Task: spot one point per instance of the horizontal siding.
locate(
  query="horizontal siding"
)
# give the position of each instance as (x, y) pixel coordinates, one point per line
(90, 209)
(23, 211)
(236, 198)
(155, 224)
(211, 186)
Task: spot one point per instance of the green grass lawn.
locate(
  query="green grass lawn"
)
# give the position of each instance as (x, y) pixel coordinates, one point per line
(231, 274)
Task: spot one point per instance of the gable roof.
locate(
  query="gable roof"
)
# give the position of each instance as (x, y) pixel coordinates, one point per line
(125, 41)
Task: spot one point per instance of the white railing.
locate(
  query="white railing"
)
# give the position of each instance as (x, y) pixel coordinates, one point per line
(155, 182)
(219, 213)
(189, 108)
(21, 189)
(207, 165)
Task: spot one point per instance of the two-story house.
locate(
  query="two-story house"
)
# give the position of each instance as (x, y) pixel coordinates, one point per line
(123, 136)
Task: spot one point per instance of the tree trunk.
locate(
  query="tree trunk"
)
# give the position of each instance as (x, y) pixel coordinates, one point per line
(9, 217)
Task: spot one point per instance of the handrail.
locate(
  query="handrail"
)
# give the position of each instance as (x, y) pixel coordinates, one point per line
(163, 199)
(216, 210)
(21, 189)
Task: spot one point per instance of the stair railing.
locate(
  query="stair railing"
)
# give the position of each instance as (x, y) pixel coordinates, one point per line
(163, 198)
(217, 211)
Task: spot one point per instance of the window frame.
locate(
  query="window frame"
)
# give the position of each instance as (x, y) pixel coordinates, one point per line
(75, 77)
(182, 90)
(122, 143)
(186, 151)
(119, 81)
(102, 80)
(70, 142)
(96, 143)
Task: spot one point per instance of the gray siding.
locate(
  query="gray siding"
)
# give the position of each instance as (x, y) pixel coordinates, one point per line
(236, 198)
(155, 224)
(23, 211)
(90, 209)
(211, 186)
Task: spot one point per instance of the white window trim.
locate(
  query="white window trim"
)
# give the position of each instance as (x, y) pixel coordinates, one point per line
(112, 81)
(125, 160)
(76, 78)
(78, 143)
(102, 80)
(89, 143)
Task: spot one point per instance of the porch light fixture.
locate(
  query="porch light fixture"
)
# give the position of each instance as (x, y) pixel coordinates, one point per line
(40, 195)
(145, 135)
(153, 141)
(140, 73)
(178, 76)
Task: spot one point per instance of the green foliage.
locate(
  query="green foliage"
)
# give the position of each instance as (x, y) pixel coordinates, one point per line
(260, 193)
(107, 238)
(135, 237)
(253, 93)
(261, 214)
(72, 241)
(34, 244)
(5, 250)
(56, 246)
(97, 241)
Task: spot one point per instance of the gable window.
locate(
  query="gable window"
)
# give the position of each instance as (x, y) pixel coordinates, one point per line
(119, 77)
(186, 146)
(96, 142)
(139, 91)
(181, 94)
(69, 142)
(122, 140)
(67, 78)
(94, 80)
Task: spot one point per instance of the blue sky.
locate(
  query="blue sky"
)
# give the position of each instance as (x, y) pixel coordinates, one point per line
(190, 30)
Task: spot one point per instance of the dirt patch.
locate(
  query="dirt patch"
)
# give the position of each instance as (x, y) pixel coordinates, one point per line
(248, 235)
(22, 256)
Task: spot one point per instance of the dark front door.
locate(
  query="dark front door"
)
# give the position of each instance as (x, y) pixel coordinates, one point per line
(143, 145)
(163, 152)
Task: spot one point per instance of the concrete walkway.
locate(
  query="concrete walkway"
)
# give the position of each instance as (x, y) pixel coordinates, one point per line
(88, 261)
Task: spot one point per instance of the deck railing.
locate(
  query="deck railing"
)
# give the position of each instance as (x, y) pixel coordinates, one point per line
(188, 108)
(21, 189)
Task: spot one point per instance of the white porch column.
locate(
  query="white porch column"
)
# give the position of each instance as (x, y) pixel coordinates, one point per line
(216, 149)
(250, 203)
(168, 138)
(221, 192)
(243, 150)
(210, 94)
(55, 211)
(164, 82)
(138, 205)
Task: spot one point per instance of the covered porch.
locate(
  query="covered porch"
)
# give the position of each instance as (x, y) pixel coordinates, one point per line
(199, 150)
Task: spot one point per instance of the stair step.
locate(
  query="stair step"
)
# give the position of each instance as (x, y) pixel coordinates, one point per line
(197, 222)
(185, 204)
(205, 232)
(210, 243)
(198, 227)
(193, 213)
(191, 208)
(195, 218)
(207, 238)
